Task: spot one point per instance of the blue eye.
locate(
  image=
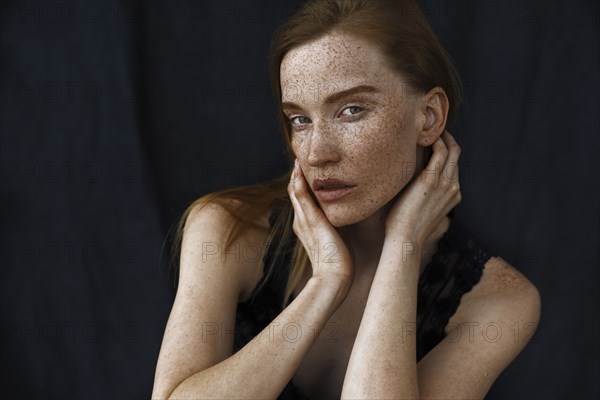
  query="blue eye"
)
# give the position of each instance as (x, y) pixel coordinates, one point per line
(299, 120)
(353, 110)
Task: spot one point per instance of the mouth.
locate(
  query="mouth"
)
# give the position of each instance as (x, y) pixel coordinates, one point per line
(327, 190)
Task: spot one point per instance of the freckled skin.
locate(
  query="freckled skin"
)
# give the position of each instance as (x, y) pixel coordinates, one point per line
(374, 149)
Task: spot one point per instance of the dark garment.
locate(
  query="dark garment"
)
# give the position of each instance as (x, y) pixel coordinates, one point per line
(453, 270)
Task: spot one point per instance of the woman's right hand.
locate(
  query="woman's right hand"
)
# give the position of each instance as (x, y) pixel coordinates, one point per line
(331, 261)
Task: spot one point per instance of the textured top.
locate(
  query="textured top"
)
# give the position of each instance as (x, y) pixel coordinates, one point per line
(453, 270)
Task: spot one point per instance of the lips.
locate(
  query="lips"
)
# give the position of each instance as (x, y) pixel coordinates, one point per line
(331, 189)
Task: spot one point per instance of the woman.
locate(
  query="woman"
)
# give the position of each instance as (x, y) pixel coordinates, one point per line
(367, 288)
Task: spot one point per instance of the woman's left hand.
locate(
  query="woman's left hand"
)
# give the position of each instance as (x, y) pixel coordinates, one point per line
(430, 196)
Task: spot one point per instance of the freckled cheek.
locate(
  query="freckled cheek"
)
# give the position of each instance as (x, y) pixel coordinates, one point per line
(385, 153)
(300, 148)
(399, 164)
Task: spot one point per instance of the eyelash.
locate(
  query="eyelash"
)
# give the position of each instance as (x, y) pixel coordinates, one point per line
(292, 117)
(349, 107)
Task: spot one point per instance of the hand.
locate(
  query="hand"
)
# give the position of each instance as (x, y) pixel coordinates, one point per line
(331, 261)
(422, 206)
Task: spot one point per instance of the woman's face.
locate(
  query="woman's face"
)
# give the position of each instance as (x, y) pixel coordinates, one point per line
(352, 119)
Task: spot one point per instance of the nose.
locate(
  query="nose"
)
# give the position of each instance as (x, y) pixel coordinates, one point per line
(322, 147)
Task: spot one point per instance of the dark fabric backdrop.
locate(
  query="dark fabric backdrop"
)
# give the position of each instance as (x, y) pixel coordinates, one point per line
(115, 115)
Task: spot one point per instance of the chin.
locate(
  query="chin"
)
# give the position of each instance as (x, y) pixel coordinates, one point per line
(340, 216)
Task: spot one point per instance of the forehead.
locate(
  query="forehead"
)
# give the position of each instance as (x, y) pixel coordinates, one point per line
(332, 63)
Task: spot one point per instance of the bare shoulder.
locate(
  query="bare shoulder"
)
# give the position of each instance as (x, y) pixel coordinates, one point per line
(206, 230)
(500, 279)
(219, 213)
(212, 279)
(493, 324)
(504, 278)
(502, 293)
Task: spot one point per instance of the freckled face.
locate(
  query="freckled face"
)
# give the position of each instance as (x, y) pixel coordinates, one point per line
(367, 139)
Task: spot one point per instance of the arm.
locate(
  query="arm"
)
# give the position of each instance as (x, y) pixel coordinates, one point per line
(383, 363)
(498, 317)
(196, 361)
(494, 323)
(383, 360)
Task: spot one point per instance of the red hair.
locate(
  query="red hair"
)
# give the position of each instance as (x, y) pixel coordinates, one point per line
(401, 32)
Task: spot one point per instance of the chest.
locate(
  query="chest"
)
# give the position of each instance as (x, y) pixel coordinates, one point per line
(321, 373)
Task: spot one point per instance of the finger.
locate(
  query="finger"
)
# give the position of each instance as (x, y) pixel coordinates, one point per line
(311, 211)
(450, 174)
(292, 191)
(451, 166)
(436, 163)
(451, 199)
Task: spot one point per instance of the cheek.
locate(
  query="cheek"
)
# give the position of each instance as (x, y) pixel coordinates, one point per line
(399, 163)
(391, 169)
(294, 142)
(389, 155)
(295, 148)
(300, 151)
(385, 143)
(298, 144)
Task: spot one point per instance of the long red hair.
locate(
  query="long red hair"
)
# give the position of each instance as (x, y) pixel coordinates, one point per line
(401, 32)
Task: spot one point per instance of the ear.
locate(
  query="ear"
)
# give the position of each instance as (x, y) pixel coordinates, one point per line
(433, 110)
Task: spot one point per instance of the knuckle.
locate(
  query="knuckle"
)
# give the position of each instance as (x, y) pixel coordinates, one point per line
(430, 183)
(444, 183)
(442, 150)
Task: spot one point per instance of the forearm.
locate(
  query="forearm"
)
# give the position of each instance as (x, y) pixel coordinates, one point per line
(383, 361)
(263, 367)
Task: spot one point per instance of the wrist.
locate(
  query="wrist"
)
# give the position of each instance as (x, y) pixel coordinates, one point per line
(400, 253)
(333, 290)
(403, 237)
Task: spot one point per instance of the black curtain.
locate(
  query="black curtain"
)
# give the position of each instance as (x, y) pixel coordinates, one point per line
(116, 115)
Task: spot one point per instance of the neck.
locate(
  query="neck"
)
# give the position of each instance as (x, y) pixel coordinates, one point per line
(365, 238)
(365, 241)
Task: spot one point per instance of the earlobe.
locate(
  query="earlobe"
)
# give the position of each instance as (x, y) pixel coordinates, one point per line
(435, 112)
(428, 137)
(425, 141)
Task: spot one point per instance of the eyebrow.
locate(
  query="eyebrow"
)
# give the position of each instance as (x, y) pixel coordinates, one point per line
(332, 98)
